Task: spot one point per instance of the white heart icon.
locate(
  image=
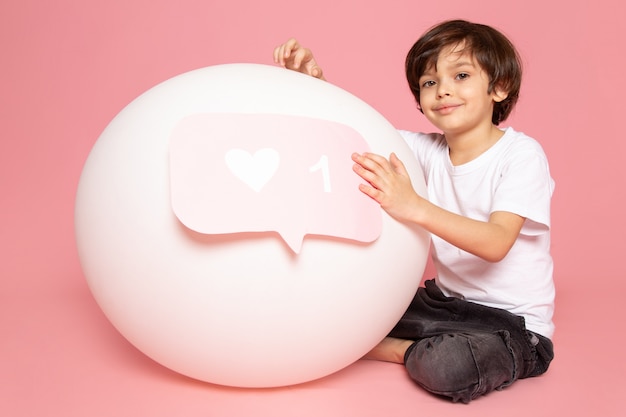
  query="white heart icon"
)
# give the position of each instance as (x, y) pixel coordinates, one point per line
(254, 170)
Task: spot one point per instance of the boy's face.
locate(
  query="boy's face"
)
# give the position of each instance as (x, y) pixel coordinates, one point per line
(454, 93)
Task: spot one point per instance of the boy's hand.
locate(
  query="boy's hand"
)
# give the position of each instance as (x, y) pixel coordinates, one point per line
(293, 56)
(388, 182)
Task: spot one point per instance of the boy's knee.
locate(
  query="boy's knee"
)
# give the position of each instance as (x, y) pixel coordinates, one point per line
(461, 366)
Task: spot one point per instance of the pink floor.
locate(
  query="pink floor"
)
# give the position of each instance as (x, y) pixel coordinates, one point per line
(61, 357)
(68, 67)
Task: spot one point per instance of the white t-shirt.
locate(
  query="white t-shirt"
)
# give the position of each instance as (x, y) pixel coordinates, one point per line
(513, 176)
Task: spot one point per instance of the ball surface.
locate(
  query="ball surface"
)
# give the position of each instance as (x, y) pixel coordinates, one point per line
(220, 230)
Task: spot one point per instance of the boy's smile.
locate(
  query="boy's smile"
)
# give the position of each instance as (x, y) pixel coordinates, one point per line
(446, 108)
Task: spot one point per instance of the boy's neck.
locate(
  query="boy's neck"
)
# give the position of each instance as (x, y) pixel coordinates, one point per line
(466, 147)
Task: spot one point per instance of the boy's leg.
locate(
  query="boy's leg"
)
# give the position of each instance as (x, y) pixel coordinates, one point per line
(464, 350)
(462, 366)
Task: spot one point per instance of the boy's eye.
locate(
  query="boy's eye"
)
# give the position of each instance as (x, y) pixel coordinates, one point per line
(462, 76)
(427, 84)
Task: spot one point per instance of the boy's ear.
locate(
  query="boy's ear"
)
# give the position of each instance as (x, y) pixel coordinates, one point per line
(499, 94)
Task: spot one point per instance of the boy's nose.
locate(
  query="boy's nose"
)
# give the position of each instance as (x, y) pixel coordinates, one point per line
(443, 89)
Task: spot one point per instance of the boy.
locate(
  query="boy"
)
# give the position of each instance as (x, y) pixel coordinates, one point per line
(486, 319)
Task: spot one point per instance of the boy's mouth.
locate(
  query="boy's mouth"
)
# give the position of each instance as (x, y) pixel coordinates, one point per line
(446, 108)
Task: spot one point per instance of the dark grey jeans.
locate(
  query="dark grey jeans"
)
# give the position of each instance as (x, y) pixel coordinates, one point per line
(464, 350)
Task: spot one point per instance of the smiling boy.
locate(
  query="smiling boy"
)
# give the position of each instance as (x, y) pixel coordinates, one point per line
(486, 319)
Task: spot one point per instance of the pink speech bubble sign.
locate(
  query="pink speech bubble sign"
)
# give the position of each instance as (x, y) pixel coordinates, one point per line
(232, 173)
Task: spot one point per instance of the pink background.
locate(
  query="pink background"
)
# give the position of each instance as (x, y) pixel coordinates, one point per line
(68, 67)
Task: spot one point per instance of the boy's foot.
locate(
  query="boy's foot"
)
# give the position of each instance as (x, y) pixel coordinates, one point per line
(390, 349)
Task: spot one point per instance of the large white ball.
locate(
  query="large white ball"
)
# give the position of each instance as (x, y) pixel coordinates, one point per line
(257, 278)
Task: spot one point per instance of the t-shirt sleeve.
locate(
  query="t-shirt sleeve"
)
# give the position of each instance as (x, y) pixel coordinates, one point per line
(525, 188)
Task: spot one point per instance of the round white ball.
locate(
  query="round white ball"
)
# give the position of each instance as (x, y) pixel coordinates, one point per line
(237, 309)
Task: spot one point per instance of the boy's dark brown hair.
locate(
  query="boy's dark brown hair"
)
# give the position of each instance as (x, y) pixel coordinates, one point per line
(495, 54)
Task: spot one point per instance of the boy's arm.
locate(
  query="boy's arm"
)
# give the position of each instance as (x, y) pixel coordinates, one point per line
(490, 240)
(294, 56)
(389, 184)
